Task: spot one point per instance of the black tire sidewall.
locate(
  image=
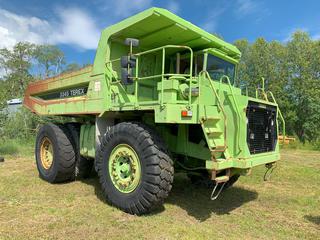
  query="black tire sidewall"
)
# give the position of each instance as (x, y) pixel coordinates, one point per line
(51, 173)
(83, 166)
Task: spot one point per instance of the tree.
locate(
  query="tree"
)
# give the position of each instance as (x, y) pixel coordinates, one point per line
(19, 66)
(303, 84)
(50, 60)
(71, 67)
(17, 63)
(292, 73)
(243, 78)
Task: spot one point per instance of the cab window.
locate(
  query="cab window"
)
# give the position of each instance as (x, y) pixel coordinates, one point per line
(218, 67)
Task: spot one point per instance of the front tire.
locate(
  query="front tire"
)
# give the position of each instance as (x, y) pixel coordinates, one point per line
(135, 171)
(55, 156)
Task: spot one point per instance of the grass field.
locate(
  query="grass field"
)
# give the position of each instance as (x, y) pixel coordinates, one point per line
(287, 207)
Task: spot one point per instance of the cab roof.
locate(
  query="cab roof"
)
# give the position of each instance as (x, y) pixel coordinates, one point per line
(156, 27)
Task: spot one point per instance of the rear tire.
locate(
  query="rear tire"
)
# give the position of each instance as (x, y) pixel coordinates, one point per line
(83, 166)
(233, 179)
(148, 162)
(55, 156)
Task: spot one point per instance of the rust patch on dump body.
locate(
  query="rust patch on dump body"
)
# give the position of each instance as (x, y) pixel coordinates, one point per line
(42, 86)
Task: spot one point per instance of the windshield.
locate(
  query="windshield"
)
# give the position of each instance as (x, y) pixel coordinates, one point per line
(218, 67)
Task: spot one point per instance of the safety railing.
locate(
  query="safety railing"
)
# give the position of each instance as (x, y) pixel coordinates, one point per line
(162, 75)
(244, 87)
(256, 91)
(278, 113)
(261, 90)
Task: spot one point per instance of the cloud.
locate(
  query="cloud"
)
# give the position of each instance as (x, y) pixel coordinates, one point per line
(173, 6)
(211, 21)
(2, 73)
(245, 7)
(210, 25)
(311, 32)
(315, 34)
(251, 7)
(72, 26)
(125, 8)
(15, 28)
(289, 34)
(316, 37)
(77, 28)
(6, 41)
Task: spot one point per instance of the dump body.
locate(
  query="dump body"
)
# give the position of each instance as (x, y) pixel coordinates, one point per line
(182, 85)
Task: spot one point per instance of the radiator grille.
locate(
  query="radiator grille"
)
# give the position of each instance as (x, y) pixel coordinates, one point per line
(261, 128)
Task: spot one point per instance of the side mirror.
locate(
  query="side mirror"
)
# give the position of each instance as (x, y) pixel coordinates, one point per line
(126, 76)
(128, 61)
(131, 42)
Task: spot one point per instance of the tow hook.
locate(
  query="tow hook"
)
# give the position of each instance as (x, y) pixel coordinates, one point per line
(214, 197)
(223, 180)
(270, 167)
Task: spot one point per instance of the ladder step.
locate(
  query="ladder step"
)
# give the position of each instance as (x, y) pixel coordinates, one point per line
(213, 118)
(216, 142)
(218, 148)
(214, 132)
(222, 179)
(220, 159)
(213, 129)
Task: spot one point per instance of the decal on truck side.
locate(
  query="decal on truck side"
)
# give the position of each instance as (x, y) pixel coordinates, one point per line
(66, 93)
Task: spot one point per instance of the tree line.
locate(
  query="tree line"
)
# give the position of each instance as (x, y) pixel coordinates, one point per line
(19, 66)
(291, 71)
(27, 62)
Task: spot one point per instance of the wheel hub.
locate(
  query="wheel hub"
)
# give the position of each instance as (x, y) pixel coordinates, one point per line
(46, 153)
(124, 168)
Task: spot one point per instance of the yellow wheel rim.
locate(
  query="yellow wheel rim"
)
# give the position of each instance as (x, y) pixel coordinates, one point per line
(46, 153)
(124, 168)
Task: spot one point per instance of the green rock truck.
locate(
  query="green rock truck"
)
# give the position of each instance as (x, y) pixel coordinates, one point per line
(161, 97)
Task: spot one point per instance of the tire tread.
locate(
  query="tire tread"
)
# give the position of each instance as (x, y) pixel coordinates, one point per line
(159, 168)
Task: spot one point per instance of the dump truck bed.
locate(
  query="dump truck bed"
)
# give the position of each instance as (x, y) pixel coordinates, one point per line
(59, 92)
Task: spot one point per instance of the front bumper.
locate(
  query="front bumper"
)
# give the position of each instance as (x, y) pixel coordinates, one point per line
(244, 163)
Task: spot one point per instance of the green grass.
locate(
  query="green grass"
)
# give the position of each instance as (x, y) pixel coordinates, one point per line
(16, 147)
(8, 149)
(286, 207)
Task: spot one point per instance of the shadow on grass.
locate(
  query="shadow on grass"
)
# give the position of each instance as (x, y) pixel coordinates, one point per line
(313, 219)
(194, 199)
(94, 181)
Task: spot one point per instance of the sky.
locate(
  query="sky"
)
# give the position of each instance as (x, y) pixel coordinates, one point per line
(75, 26)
